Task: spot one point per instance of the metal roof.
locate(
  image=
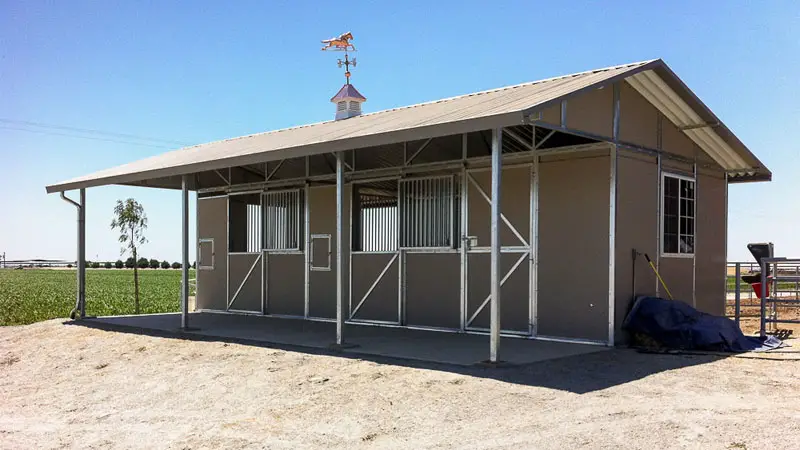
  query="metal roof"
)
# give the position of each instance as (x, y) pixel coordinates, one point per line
(348, 91)
(505, 106)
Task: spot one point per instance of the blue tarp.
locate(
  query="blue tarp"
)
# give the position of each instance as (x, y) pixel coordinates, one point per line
(674, 324)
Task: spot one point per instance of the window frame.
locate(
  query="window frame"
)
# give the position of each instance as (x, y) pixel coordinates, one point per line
(357, 230)
(298, 203)
(260, 227)
(403, 209)
(679, 177)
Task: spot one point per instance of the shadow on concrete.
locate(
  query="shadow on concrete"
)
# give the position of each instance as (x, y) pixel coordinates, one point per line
(575, 368)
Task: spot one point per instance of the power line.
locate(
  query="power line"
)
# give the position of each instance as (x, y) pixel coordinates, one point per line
(92, 131)
(52, 133)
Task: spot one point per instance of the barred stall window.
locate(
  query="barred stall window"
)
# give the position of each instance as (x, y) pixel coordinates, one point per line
(428, 212)
(244, 223)
(283, 220)
(678, 215)
(375, 216)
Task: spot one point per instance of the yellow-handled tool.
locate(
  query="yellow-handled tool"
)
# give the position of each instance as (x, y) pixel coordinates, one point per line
(653, 266)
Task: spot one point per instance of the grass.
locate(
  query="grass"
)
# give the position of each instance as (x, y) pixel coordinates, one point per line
(783, 286)
(32, 295)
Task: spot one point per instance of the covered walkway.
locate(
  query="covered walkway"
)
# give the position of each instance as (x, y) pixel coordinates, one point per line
(400, 343)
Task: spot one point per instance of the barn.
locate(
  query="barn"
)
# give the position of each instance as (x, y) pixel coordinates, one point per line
(513, 212)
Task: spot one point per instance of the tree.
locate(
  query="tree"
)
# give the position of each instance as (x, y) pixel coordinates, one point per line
(95, 265)
(130, 263)
(143, 263)
(154, 264)
(165, 264)
(119, 264)
(194, 265)
(176, 265)
(107, 265)
(130, 219)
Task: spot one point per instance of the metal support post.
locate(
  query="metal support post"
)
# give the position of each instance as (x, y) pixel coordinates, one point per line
(81, 263)
(497, 161)
(339, 227)
(694, 243)
(533, 277)
(80, 291)
(185, 252)
(612, 217)
(763, 329)
(307, 249)
(738, 299)
(463, 236)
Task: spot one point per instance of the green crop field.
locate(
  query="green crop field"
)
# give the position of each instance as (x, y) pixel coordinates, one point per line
(31, 295)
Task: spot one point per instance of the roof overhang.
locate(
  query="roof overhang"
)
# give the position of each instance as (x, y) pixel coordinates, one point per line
(473, 112)
(662, 88)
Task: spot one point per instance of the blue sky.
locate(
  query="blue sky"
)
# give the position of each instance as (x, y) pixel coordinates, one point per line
(197, 71)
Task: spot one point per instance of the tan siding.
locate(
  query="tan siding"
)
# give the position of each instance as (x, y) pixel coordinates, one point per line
(710, 256)
(592, 111)
(675, 141)
(382, 301)
(212, 218)
(249, 298)
(677, 274)
(285, 284)
(432, 291)
(322, 295)
(514, 204)
(573, 248)
(514, 294)
(552, 115)
(676, 167)
(638, 118)
(637, 228)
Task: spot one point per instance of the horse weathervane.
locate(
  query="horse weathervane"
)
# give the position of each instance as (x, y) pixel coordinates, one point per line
(342, 44)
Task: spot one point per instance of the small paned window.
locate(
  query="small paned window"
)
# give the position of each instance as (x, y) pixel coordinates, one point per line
(677, 215)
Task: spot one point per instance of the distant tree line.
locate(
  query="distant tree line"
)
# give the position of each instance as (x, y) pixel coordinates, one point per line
(142, 263)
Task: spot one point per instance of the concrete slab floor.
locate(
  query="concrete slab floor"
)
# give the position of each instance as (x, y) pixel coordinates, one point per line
(419, 345)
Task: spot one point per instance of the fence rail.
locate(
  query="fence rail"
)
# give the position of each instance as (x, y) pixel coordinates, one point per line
(772, 296)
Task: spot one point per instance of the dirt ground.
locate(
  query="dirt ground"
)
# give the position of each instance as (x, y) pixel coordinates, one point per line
(70, 386)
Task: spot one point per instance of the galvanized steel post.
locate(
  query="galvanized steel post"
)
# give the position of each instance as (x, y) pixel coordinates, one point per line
(185, 252)
(339, 227)
(81, 263)
(497, 161)
(463, 187)
(763, 322)
(612, 217)
(738, 299)
(533, 277)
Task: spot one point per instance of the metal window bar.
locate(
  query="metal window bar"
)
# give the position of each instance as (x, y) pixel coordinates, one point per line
(376, 217)
(282, 216)
(427, 212)
(253, 228)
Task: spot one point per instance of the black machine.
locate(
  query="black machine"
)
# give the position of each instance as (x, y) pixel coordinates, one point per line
(759, 252)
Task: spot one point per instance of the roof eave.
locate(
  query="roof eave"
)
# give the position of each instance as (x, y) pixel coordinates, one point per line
(708, 115)
(353, 143)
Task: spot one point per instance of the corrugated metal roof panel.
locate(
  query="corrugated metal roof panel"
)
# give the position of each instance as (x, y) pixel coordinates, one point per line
(384, 127)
